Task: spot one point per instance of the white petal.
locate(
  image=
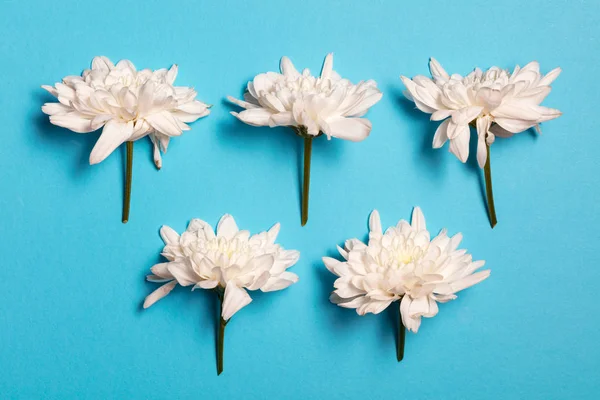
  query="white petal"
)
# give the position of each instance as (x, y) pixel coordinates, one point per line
(282, 119)
(168, 235)
(234, 300)
(183, 273)
(172, 74)
(375, 223)
(470, 280)
(441, 136)
(102, 63)
(241, 103)
(279, 282)
(412, 324)
(273, 232)
(437, 72)
(353, 129)
(227, 227)
(459, 146)
(483, 126)
(113, 135)
(550, 77)
(514, 125)
(499, 131)
(332, 265)
(481, 152)
(208, 284)
(287, 68)
(162, 270)
(327, 66)
(440, 115)
(56, 108)
(165, 123)
(418, 220)
(73, 121)
(159, 293)
(254, 117)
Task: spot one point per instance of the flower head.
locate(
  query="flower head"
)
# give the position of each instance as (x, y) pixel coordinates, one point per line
(230, 260)
(402, 264)
(129, 104)
(497, 102)
(327, 104)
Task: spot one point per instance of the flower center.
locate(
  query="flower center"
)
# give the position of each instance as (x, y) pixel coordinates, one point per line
(228, 248)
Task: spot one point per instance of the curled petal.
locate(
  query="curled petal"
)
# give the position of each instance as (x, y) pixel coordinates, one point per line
(235, 299)
(459, 146)
(441, 134)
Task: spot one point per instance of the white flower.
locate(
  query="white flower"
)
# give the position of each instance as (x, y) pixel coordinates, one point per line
(327, 104)
(497, 102)
(129, 104)
(232, 260)
(402, 264)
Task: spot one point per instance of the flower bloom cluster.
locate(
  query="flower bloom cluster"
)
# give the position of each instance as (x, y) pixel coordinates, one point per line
(231, 260)
(402, 264)
(127, 103)
(327, 104)
(497, 102)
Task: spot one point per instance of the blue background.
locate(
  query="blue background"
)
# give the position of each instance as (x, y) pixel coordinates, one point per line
(72, 276)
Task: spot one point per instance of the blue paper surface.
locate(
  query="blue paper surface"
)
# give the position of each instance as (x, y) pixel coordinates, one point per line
(72, 276)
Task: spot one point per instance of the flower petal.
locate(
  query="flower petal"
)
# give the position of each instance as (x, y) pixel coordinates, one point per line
(441, 136)
(254, 117)
(159, 293)
(227, 227)
(375, 223)
(234, 300)
(459, 146)
(353, 129)
(183, 273)
(418, 220)
(327, 66)
(113, 135)
(287, 68)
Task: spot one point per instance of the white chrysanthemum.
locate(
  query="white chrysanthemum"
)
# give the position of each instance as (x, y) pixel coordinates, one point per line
(327, 104)
(497, 102)
(402, 264)
(129, 104)
(232, 260)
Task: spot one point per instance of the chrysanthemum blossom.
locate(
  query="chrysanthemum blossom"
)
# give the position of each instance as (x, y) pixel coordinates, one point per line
(230, 260)
(128, 104)
(496, 102)
(403, 264)
(327, 104)
(311, 106)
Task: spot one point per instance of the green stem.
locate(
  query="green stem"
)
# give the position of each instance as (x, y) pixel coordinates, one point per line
(401, 338)
(220, 339)
(306, 181)
(487, 171)
(128, 172)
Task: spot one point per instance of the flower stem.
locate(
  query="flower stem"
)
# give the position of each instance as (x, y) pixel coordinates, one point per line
(401, 338)
(127, 196)
(487, 171)
(220, 339)
(306, 181)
